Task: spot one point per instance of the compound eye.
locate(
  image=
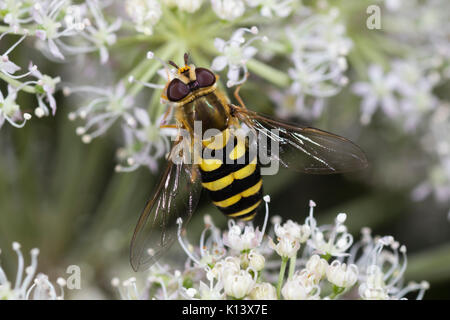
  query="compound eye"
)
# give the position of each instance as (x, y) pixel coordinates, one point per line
(177, 90)
(205, 78)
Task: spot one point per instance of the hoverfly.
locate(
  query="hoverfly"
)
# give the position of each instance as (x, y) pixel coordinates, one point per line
(234, 187)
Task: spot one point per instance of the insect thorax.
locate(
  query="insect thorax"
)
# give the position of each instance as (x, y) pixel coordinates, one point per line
(209, 110)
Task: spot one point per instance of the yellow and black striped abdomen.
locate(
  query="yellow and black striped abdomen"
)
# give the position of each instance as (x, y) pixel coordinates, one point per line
(232, 179)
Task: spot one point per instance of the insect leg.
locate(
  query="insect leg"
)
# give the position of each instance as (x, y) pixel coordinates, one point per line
(166, 114)
(238, 97)
(173, 126)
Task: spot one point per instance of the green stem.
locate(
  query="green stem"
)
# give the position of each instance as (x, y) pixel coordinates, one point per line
(30, 30)
(336, 291)
(16, 83)
(267, 72)
(326, 256)
(292, 266)
(281, 276)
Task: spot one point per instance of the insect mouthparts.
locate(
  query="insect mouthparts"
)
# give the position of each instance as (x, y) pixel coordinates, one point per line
(193, 85)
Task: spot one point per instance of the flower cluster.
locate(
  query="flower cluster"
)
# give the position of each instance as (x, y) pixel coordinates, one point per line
(241, 263)
(320, 46)
(436, 142)
(41, 85)
(62, 27)
(28, 285)
(406, 87)
(235, 53)
(58, 28)
(404, 93)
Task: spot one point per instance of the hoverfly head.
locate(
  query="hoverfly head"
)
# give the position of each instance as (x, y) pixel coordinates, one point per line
(189, 79)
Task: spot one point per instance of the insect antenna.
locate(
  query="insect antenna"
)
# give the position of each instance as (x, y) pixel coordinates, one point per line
(151, 55)
(174, 64)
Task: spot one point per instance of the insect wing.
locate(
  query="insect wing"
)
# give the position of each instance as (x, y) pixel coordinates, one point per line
(304, 149)
(176, 197)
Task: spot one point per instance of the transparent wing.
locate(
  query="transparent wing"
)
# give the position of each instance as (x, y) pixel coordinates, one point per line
(304, 149)
(176, 197)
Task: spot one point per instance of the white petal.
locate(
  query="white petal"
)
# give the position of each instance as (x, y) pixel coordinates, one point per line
(361, 88)
(233, 74)
(104, 55)
(54, 49)
(249, 52)
(375, 73)
(219, 63)
(10, 67)
(142, 116)
(52, 102)
(41, 34)
(219, 44)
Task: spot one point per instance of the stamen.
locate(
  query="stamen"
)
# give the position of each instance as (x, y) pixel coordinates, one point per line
(31, 270)
(15, 44)
(266, 217)
(131, 79)
(20, 264)
(183, 246)
(151, 55)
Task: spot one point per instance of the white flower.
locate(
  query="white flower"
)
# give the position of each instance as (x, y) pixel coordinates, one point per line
(269, 8)
(320, 47)
(100, 33)
(263, 291)
(211, 292)
(374, 287)
(239, 285)
(436, 142)
(299, 287)
(189, 5)
(145, 143)
(10, 110)
(379, 91)
(376, 266)
(226, 267)
(294, 231)
(317, 267)
(342, 275)
(235, 54)
(239, 240)
(144, 13)
(25, 287)
(228, 9)
(416, 81)
(46, 87)
(329, 240)
(285, 247)
(75, 17)
(102, 112)
(382, 263)
(256, 260)
(15, 13)
(47, 14)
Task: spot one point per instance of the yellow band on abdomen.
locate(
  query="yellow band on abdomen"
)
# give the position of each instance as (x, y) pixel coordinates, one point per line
(219, 183)
(245, 211)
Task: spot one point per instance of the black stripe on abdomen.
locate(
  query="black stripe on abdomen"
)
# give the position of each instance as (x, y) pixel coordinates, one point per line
(236, 187)
(247, 190)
